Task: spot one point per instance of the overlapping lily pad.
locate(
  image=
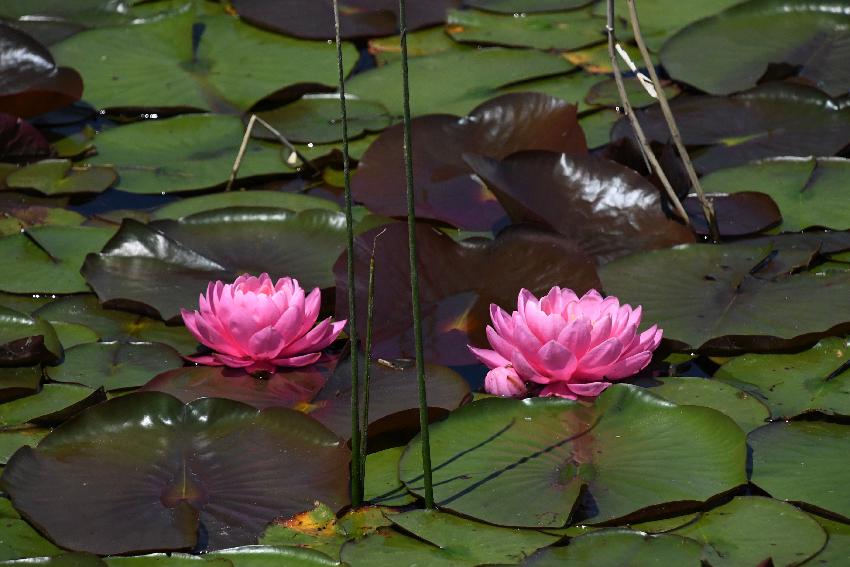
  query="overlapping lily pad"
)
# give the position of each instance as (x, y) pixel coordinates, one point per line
(189, 60)
(731, 51)
(792, 384)
(50, 406)
(184, 153)
(166, 264)
(454, 81)
(20, 141)
(752, 529)
(382, 485)
(715, 298)
(607, 208)
(529, 6)
(737, 214)
(17, 381)
(774, 119)
(146, 472)
(525, 463)
(30, 81)
(25, 339)
(809, 191)
(613, 548)
(799, 461)
(59, 176)
(446, 187)
(295, 202)
(459, 281)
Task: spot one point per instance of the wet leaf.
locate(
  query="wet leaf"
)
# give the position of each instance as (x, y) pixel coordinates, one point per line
(19, 540)
(382, 485)
(799, 462)
(572, 87)
(617, 547)
(608, 209)
(205, 62)
(25, 339)
(751, 529)
(294, 202)
(731, 51)
(604, 93)
(14, 439)
(389, 548)
(59, 176)
(146, 460)
(20, 141)
(454, 82)
(458, 282)
(17, 381)
(529, 6)
(597, 126)
(271, 556)
(447, 189)
(53, 404)
(525, 463)
(739, 214)
(837, 546)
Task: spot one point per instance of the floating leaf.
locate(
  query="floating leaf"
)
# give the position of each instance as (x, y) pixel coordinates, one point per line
(184, 153)
(19, 212)
(189, 60)
(88, 12)
(731, 51)
(774, 119)
(25, 339)
(799, 462)
(144, 471)
(18, 540)
(114, 365)
(597, 126)
(751, 529)
(528, 6)
(113, 325)
(572, 87)
(419, 43)
(59, 176)
(53, 404)
(166, 264)
(315, 118)
(793, 384)
(14, 439)
(745, 409)
(294, 202)
(525, 463)
(809, 191)
(382, 485)
(71, 334)
(389, 548)
(20, 141)
(17, 381)
(837, 546)
(608, 209)
(447, 189)
(459, 281)
(605, 93)
(30, 82)
(739, 214)
(617, 547)
(556, 31)
(454, 82)
(715, 299)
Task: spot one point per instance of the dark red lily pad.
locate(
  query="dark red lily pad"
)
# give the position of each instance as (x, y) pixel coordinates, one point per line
(607, 208)
(458, 282)
(146, 472)
(446, 187)
(314, 19)
(21, 142)
(26, 339)
(30, 81)
(738, 214)
(774, 119)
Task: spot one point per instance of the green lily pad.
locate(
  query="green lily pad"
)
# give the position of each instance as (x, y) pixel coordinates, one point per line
(166, 264)
(167, 560)
(419, 43)
(23, 303)
(60, 176)
(71, 334)
(528, 6)
(561, 30)
(597, 126)
(53, 404)
(63, 560)
(382, 485)
(750, 529)
(716, 299)
(572, 87)
(114, 365)
(793, 384)
(605, 93)
(25, 339)
(525, 463)
(200, 61)
(273, 556)
(837, 547)
(454, 82)
(184, 153)
(618, 547)
(17, 381)
(315, 118)
(809, 191)
(799, 462)
(319, 529)
(19, 212)
(169, 470)
(114, 325)
(731, 51)
(744, 408)
(7, 511)
(12, 440)
(48, 259)
(19, 540)
(294, 202)
(389, 548)
(596, 59)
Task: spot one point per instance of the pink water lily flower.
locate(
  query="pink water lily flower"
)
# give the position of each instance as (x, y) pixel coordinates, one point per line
(260, 325)
(570, 346)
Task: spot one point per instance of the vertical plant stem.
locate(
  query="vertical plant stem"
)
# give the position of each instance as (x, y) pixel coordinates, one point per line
(636, 127)
(367, 371)
(414, 270)
(707, 207)
(356, 466)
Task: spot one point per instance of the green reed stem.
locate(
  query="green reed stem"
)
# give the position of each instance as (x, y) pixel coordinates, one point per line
(367, 371)
(356, 466)
(414, 270)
